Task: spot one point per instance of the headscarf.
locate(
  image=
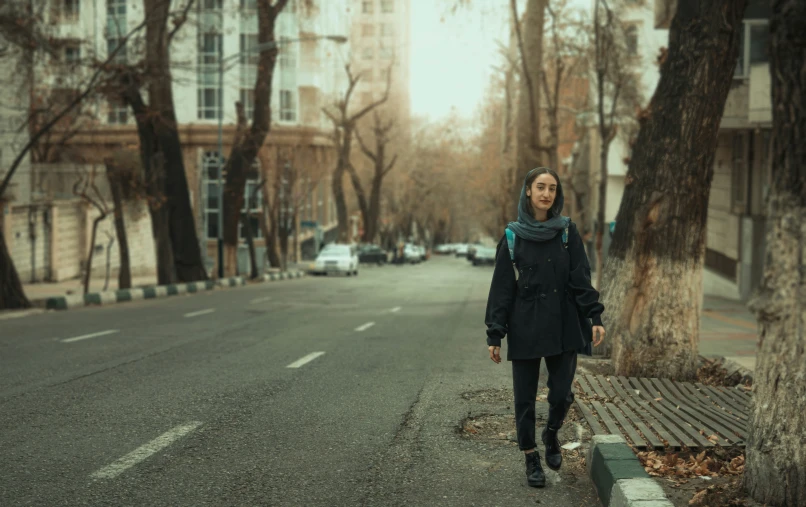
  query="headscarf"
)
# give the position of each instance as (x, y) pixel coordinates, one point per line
(527, 227)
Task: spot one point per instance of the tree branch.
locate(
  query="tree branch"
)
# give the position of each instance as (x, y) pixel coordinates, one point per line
(77, 100)
(363, 146)
(180, 20)
(526, 76)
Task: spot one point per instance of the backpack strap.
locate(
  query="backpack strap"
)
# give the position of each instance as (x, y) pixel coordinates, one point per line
(565, 237)
(511, 246)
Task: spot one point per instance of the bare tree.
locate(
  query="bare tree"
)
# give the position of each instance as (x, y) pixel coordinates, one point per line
(381, 166)
(775, 469)
(617, 96)
(344, 125)
(529, 36)
(245, 151)
(653, 274)
(87, 189)
(116, 178)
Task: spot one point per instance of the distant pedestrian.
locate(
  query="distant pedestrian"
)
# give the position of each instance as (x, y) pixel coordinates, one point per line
(543, 305)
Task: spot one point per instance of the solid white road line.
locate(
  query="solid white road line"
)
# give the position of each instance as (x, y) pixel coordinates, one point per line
(395, 309)
(144, 452)
(260, 300)
(365, 326)
(91, 335)
(307, 359)
(200, 312)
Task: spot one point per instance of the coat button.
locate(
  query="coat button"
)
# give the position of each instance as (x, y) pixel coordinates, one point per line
(543, 296)
(555, 290)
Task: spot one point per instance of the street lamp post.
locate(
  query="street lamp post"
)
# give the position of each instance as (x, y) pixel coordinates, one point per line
(340, 39)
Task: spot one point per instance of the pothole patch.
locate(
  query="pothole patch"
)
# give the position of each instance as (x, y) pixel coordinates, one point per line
(490, 396)
(489, 427)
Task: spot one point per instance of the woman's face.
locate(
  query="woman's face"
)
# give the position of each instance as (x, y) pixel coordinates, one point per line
(543, 192)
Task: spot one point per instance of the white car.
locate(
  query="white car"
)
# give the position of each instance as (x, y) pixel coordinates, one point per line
(412, 253)
(461, 249)
(336, 258)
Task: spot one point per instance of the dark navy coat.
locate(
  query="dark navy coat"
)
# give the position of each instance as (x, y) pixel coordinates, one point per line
(546, 311)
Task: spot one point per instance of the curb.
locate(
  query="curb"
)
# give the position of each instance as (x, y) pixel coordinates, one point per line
(618, 476)
(121, 296)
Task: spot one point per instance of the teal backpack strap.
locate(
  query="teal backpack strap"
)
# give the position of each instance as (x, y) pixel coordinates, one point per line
(565, 237)
(511, 246)
(510, 243)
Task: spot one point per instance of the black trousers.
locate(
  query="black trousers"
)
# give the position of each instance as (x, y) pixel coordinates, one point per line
(561, 370)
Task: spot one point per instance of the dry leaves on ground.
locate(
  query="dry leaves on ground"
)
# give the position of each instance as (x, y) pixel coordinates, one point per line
(720, 495)
(699, 465)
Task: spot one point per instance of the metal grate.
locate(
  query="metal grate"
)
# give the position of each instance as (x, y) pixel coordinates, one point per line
(658, 413)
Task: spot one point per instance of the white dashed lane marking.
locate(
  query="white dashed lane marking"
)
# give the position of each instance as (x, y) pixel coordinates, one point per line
(144, 452)
(305, 360)
(200, 312)
(91, 335)
(365, 326)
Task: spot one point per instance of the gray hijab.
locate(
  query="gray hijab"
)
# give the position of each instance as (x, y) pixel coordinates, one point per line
(528, 228)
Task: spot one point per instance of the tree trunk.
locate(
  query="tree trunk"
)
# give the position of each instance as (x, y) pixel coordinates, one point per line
(775, 469)
(250, 243)
(363, 205)
(187, 258)
(244, 153)
(337, 186)
(528, 121)
(91, 253)
(604, 150)
(270, 232)
(373, 217)
(124, 273)
(153, 174)
(12, 297)
(653, 274)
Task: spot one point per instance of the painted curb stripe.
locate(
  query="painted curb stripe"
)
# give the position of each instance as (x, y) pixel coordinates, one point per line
(123, 295)
(610, 459)
(171, 289)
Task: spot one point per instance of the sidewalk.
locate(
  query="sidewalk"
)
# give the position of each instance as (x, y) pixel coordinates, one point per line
(44, 290)
(728, 329)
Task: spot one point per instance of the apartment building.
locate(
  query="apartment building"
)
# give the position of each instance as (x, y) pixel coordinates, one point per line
(380, 38)
(308, 75)
(736, 210)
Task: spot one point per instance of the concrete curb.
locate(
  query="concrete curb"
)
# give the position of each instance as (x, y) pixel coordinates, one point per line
(121, 296)
(618, 476)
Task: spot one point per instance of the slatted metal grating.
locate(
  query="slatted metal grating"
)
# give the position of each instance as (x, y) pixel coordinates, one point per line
(656, 413)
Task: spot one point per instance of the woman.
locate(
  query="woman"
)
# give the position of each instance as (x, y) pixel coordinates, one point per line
(543, 305)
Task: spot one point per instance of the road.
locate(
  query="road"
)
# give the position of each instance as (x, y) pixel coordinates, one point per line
(318, 391)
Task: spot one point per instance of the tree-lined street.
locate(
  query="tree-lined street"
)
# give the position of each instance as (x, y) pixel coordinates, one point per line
(374, 420)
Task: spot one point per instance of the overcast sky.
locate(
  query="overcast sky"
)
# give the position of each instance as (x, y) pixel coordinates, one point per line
(451, 60)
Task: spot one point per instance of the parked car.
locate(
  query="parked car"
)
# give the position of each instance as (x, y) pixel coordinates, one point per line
(412, 253)
(337, 258)
(484, 255)
(444, 249)
(471, 251)
(372, 254)
(461, 250)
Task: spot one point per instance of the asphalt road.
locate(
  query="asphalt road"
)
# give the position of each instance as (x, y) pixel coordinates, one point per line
(320, 391)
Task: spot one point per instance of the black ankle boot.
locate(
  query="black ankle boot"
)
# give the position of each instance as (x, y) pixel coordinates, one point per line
(534, 471)
(554, 456)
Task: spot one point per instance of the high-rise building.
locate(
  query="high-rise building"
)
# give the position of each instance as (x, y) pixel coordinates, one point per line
(380, 39)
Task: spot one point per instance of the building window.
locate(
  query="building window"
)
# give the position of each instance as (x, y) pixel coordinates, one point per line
(72, 54)
(207, 5)
(387, 6)
(249, 5)
(386, 53)
(117, 113)
(115, 8)
(387, 30)
(209, 94)
(739, 175)
(367, 30)
(367, 53)
(367, 6)
(288, 106)
(631, 40)
(252, 201)
(249, 64)
(71, 10)
(286, 58)
(753, 47)
(210, 164)
(112, 45)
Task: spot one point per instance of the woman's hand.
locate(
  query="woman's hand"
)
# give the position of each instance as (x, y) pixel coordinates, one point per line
(495, 353)
(598, 335)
